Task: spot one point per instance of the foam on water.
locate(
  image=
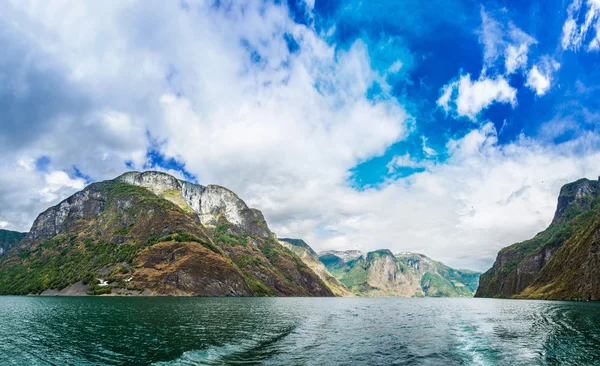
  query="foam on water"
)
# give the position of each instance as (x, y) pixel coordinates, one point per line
(296, 331)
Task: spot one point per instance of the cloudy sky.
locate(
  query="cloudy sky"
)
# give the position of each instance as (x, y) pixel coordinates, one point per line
(436, 127)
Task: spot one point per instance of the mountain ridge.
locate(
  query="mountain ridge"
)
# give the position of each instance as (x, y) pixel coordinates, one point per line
(405, 274)
(558, 262)
(150, 233)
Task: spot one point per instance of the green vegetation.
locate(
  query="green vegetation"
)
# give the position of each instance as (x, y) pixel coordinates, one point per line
(9, 239)
(60, 262)
(257, 287)
(96, 289)
(123, 229)
(578, 204)
(434, 285)
(182, 237)
(222, 235)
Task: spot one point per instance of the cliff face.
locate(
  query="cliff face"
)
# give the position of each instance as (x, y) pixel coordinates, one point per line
(381, 273)
(151, 233)
(310, 258)
(532, 268)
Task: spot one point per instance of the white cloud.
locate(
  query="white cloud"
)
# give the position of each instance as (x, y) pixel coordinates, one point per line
(516, 58)
(58, 183)
(3, 224)
(537, 81)
(446, 95)
(471, 97)
(575, 34)
(221, 92)
(404, 161)
(503, 41)
(539, 77)
(426, 149)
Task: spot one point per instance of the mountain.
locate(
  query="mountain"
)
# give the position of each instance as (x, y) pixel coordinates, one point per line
(310, 258)
(381, 273)
(152, 234)
(561, 262)
(9, 239)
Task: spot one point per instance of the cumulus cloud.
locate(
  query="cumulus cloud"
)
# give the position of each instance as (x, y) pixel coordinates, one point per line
(576, 33)
(468, 98)
(226, 93)
(539, 77)
(238, 107)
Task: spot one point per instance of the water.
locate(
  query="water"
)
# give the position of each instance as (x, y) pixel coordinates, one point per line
(296, 331)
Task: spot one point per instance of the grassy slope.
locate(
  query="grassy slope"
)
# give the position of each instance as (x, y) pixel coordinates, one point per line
(575, 217)
(442, 281)
(135, 220)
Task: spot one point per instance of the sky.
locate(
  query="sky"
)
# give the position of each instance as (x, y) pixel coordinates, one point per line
(438, 127)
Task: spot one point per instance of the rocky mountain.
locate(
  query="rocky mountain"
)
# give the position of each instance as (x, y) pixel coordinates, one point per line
(9, 239)
(150, 233)
(381, 273)
(310, 258)
(561, 262)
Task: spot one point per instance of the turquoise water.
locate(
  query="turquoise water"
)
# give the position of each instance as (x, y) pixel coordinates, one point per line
(296, 331)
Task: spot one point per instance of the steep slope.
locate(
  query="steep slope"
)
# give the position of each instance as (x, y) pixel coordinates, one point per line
(310, 258)
(9, 239)
(439, 280)
(529, 263)
(380, 273)
(151, 233)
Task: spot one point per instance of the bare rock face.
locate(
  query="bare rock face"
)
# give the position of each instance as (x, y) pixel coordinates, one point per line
(152, 234)
(521, 265)
(86, 203)
(209, 202)
(309, 257)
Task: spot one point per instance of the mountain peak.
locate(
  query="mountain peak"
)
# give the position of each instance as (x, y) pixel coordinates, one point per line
(575, 197)
(209, 202)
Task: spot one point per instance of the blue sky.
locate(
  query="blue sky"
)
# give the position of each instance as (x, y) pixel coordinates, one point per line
(445, 128)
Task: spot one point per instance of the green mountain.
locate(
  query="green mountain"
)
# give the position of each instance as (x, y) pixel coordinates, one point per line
(561, 262)
(381, 273)
(152, 234)
(310, 258)
(9, 239)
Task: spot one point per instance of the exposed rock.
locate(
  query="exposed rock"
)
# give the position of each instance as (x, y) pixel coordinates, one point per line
(309, 257)
(381, 273)
(537, 268)
(346, 255)
(152, 234)
(208, 202)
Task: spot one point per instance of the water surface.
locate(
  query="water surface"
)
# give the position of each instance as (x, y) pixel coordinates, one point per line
(296, 331)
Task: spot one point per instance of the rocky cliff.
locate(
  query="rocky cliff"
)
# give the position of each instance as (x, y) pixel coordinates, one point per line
(310, 258)
(558, 262)
(381, 273)
(153, 234)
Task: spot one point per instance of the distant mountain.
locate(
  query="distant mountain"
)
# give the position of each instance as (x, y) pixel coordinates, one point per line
(308, 256)
(150, 233)
(9, 239)
(381, 273)
(561, 262)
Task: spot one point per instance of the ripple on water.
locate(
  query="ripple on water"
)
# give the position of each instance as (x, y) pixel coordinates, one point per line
(196, 331)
